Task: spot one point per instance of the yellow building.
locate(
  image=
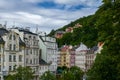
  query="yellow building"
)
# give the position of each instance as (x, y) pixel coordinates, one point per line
(64, 57)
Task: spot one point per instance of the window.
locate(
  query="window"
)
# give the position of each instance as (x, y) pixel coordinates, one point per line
(31, 51)
(34, 38)
(14, 47)
(14, 37)
(29, 37)
(10, 37)
(31, 61)
(0, 68)
(40, 68)
(27, 51)
(14, 67)
(34, 43)
(26, 60)
(10, 58)
(10, 68)
(0, 59)
(20, 58)
(14, 58)
(0, 48)
(10, 47)
(34, 60)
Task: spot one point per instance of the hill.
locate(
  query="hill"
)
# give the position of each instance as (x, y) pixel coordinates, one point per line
(103, 26)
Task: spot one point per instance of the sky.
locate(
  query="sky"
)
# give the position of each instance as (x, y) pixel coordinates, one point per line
(45, 14)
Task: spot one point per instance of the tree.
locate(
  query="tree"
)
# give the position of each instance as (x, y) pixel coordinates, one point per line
(77, 72)
(21, 73)
(74, 73)
(48, 76)
(107, 64)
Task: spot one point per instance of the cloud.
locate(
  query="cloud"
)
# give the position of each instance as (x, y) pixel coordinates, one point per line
(28, 13)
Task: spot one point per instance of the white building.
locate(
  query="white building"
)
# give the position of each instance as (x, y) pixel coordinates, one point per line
(32, 50)
(11, 51)
(43, 67)
(49, 49)
(80, 57)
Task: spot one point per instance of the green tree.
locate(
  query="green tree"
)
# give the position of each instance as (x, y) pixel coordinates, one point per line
(48, 76)
(107, 64)
(21, 73)
(74, 73)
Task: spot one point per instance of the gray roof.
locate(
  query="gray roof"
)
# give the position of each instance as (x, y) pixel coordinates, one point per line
(94, 48)
(3, 31)
(26, 31)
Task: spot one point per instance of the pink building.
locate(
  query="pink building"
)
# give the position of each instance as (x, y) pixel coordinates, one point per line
(72, 57)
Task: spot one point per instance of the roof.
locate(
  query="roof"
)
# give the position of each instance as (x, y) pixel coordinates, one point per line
(1, 40)
(42, 62)
(3, 31)
(82, 47)
(94, 48)
(26, 31)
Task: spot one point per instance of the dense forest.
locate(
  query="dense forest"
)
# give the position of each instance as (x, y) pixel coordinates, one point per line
(103, 26)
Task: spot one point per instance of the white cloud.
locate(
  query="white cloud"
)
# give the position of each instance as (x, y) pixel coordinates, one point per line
(25, 13)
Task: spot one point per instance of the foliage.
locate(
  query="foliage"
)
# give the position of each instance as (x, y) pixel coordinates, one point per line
(48, 76)
(103, 26)
(21, 73)
(74, 73)
(107, 64)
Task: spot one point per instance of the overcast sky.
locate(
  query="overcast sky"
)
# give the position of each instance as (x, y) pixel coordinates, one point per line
(46, 14)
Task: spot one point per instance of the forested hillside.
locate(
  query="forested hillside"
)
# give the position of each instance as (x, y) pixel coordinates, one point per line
(103, 26)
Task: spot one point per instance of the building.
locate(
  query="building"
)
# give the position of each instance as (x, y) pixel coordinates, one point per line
(49, 50)
(67, 56)
(90, 58)
(43, 67)
(72, 56)
(80, 57)
(59, 34)
(64, 56)
(85, 57)
(11, 51)
(32, 50)
(69, 29)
